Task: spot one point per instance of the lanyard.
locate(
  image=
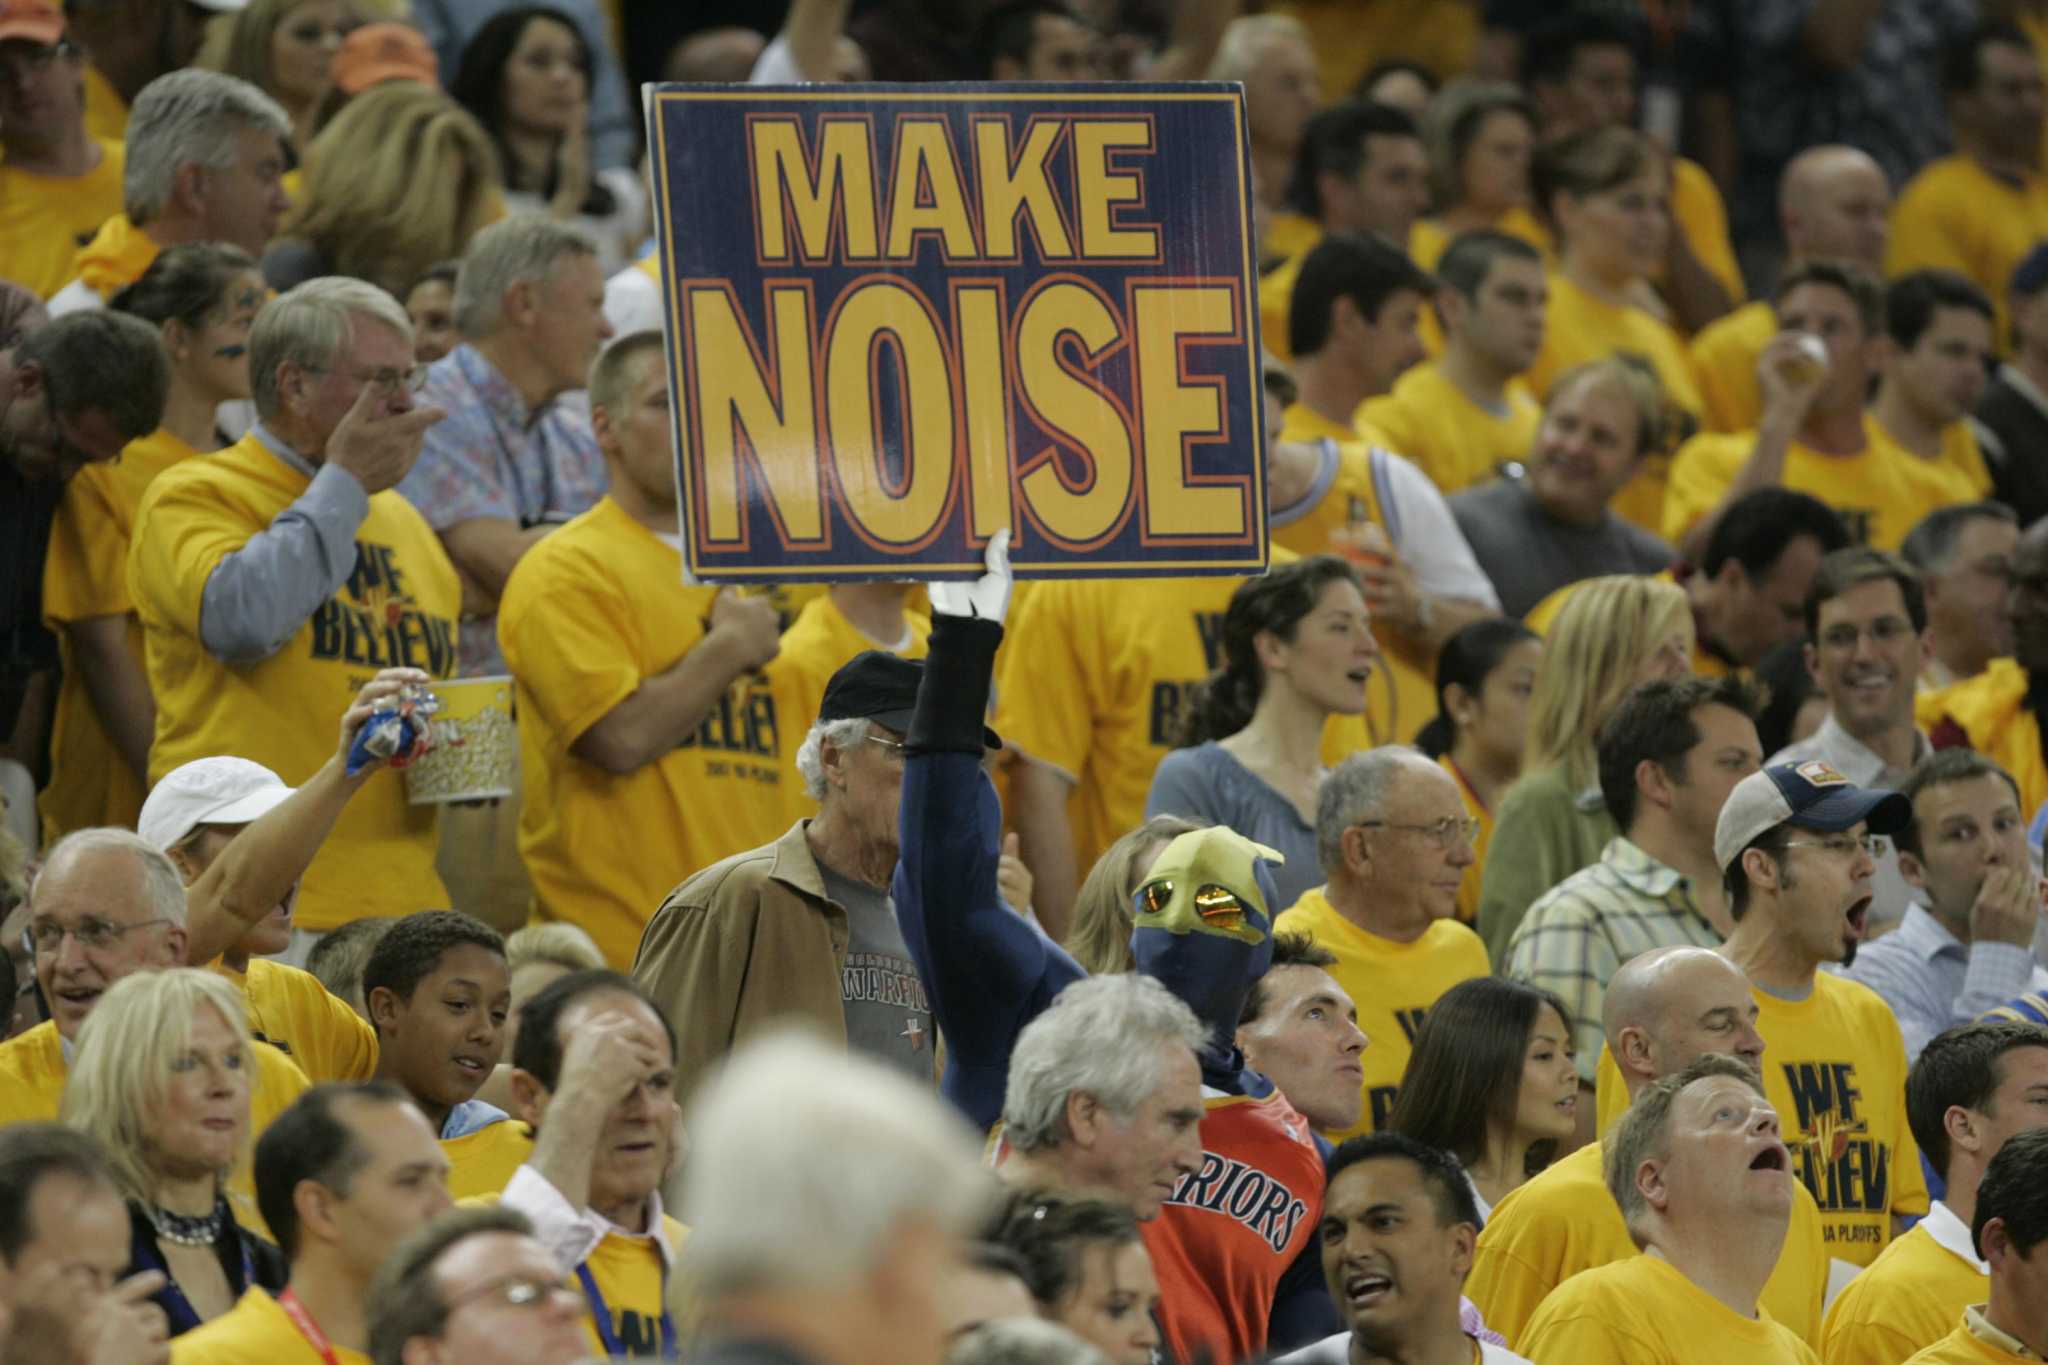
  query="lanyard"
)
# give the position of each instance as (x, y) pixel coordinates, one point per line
(308, 1328)
(671, 1349)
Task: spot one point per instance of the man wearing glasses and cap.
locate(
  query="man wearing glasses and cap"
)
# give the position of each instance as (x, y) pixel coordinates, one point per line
(58, 183)
(1796, 843)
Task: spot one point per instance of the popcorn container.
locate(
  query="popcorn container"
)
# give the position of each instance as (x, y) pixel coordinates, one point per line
(475, 750)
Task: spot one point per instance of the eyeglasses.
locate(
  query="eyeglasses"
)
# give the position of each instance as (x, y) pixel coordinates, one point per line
(1886, 630)
(32, 60)
(514, 1291)
(1443, 833)
(1846, 845)
(886, 742)
(388, 382)
(47, 936)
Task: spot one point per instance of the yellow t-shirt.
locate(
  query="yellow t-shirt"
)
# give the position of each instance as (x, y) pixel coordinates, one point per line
(1348, 36)
(85, 576)
(1960, 455)
(292, 1011)
(588, 615)
(106, 113)
(1964, 1347)
(399, 607)
(116, 256)
(1881, 492)
(482, 1163)
(1290, 235)
(1641, 1311)
(33, 1070)
(1429, 239)
(1955, 215)
(1580, 328)
(1455, 441)
(1468, 889)
(1393, 985)
(1991, 711)
(628, 1274)
(1724, 357)
(1094, 677)
(1401, 695)
(1906, 1301)
(45, 218)
(1563, 1220)
(1835, 1070)
(1697, 211)
(819, 644)
(1276, 290)
(254, 1332)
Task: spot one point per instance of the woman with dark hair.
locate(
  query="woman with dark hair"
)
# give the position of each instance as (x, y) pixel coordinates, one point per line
(1297, 649)
(1492, 1082)
(1485, 675)
(1480, 135)
(1795, 706)
(526, 77)
(1086, 1267)
(202, 298)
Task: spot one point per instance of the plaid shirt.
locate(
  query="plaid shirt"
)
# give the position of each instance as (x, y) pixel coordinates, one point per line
(1574, 939)
(491, 458)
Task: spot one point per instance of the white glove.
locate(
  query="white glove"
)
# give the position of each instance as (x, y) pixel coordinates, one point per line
(988, 596)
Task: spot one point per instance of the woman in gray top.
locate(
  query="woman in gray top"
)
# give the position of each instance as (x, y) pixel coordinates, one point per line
(1297, 649)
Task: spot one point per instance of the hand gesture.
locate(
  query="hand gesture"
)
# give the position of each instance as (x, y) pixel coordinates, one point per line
(386, 683)
(1013, 878)
(379, 450)
(748, 625)
(126, 1328)
(572, 165)
(1790, 371)
(606, 1058)
(2007, 908)
(987, 597)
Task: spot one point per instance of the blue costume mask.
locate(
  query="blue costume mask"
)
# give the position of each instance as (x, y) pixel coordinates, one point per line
(1204, 929)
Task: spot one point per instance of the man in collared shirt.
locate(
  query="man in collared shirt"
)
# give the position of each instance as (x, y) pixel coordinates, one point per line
(1669, 755)
(1866, 634)
(2010, 1224)
(594, 1076)
(1969, 947)
(516, 456)
(276, 577)
(1972, 1089)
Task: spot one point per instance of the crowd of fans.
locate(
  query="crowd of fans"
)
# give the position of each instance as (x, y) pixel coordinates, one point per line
(1583, 903)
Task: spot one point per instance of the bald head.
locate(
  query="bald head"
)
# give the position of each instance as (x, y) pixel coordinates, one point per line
(1834, 202)
(721, 55)
(1670, 1006)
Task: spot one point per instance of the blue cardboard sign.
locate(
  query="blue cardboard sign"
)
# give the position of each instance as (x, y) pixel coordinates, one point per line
(901, 317)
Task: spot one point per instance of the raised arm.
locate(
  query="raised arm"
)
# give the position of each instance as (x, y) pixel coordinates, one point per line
(259, 866)
(987, 970)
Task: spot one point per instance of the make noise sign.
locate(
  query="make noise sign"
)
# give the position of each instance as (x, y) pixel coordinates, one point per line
(902, 317)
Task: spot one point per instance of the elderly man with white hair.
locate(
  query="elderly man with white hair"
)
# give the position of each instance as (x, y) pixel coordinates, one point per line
(1122, 1122)
(106, 906)
(827, 1199)
(275, 577)
(205, 163)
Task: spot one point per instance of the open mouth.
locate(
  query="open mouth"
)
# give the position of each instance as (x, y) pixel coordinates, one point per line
(1367, 1291)
(79, 997)
(471, 1066)
(1856, 915)
(1771, 1158)
(1570, 1103)
(1360, 675)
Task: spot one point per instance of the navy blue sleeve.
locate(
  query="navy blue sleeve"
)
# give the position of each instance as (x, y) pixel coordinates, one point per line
(986, 969)
(1303, 1311)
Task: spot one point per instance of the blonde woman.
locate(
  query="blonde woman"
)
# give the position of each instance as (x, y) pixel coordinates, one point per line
(1613, 634)
(285, 48)
(401, 179)
(162, 1077)
(1100, 939)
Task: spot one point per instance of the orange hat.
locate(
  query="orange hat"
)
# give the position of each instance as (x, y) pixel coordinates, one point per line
(380, 52)
(38, 21)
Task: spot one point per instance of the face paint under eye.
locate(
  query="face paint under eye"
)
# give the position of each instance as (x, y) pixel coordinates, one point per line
(231, 352)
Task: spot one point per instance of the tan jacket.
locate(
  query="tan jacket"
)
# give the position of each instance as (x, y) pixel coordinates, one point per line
(747, 943)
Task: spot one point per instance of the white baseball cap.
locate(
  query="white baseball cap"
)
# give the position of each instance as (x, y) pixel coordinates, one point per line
(1810, 795)
(208, 791)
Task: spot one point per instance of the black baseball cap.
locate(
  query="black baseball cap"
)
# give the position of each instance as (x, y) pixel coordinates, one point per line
(882, 687)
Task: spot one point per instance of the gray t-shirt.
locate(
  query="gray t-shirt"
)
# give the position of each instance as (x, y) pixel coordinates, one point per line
(887, 1013)
(1206, 783)
(1529, 556)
